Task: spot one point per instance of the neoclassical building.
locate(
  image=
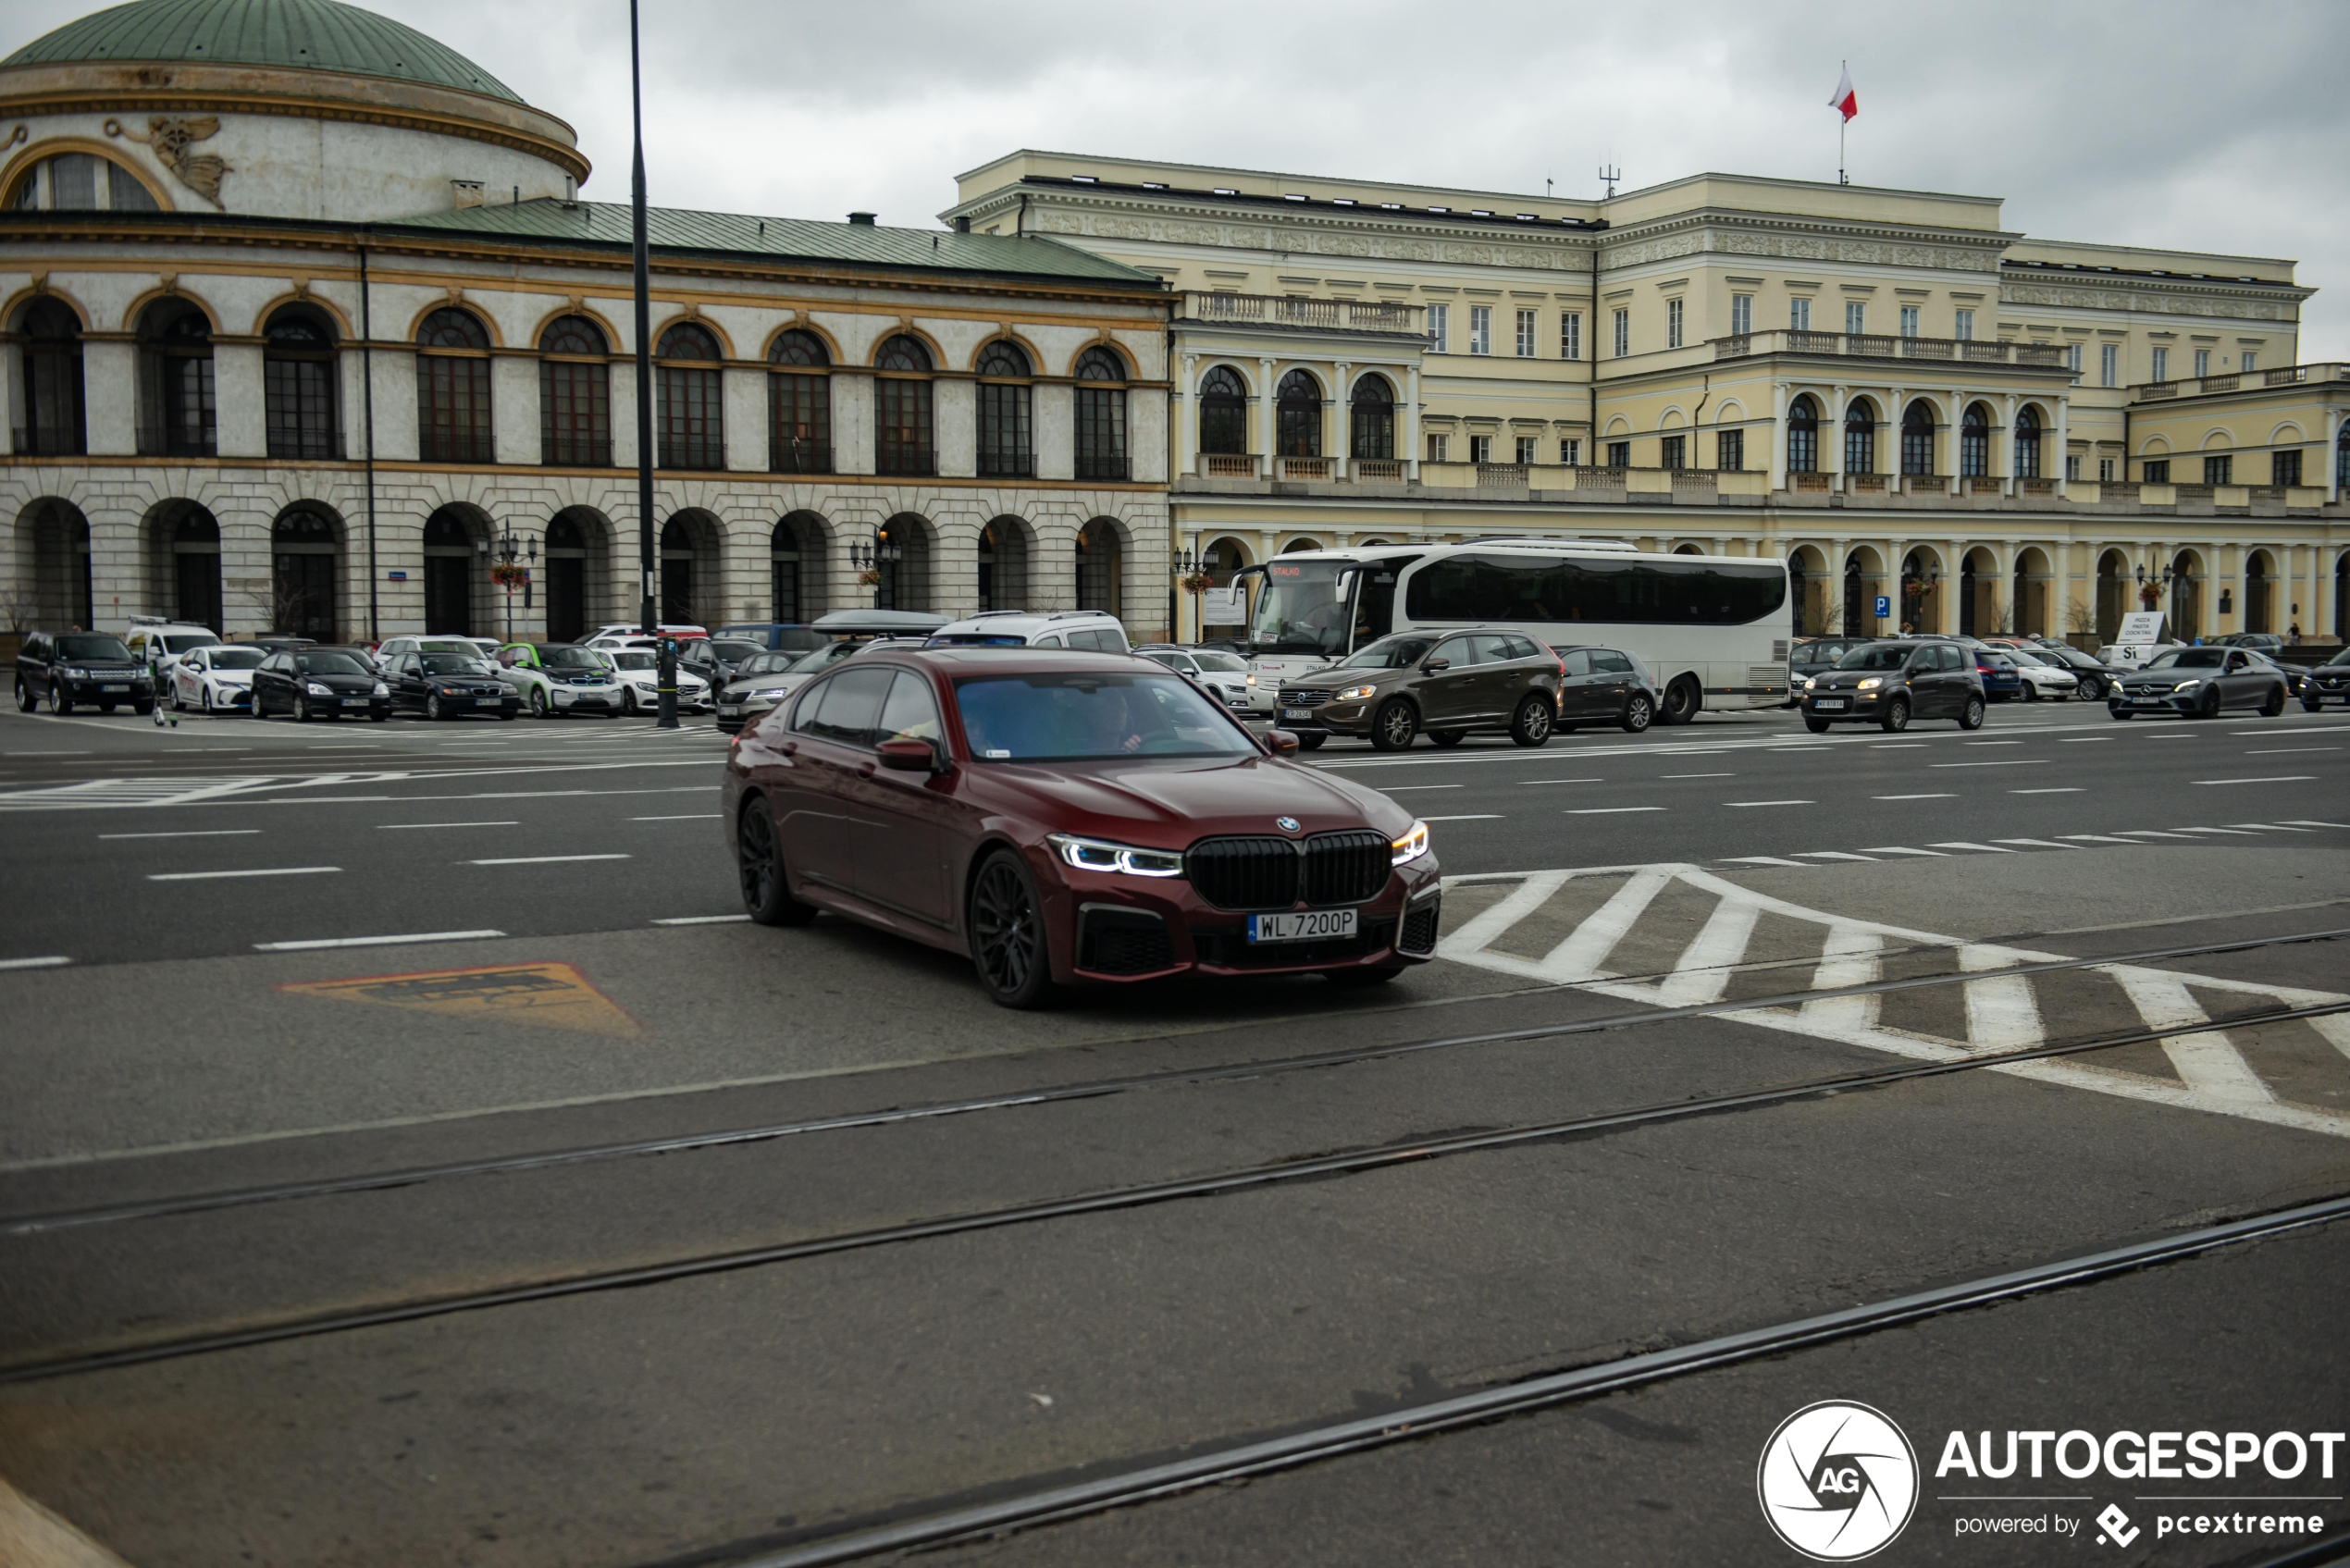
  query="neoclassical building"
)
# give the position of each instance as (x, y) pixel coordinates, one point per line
(1887, 388)
(306, 324)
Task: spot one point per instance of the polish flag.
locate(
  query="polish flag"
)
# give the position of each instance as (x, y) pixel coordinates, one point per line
(1845, 100)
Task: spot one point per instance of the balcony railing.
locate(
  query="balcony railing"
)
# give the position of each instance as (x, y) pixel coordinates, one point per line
(1227, 465)
(2237, 381)
(789, 454)
(46, 441)
(1280, 310)
(574, 451)
(1378, 469)
(1306, 467)
(1869, 345)
(177, 440)
(1501, 475)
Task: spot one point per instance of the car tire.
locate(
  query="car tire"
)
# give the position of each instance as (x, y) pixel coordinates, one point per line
(1393, 725)
(1684, 699)
(509, 712)
(1639, 713)
(539, 708)
(759, 867)
(26, 701)
(1360, 978)
(1446, 738)
(2117, 712)
(1970, 716)
(60, 703)
(2207, 706)
(147, 709)
(104, 706)
(2312, 705)
(1311, 742)
(2092, 689)
(1530, 726)
(301, 707)
(1817, 726)
(433, 709)
(2275, 705)
(628, 701)
(204, 701)
(1896, 717)
(1005, 920)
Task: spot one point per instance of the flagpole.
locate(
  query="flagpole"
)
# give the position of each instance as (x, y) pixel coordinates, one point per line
(1842, 120)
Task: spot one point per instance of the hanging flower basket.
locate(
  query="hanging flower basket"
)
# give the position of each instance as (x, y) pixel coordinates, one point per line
(508, 576)
(1197, 582)
(868, 577)
(2150, 597)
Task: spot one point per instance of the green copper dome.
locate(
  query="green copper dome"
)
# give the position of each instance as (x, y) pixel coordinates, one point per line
(294, 34)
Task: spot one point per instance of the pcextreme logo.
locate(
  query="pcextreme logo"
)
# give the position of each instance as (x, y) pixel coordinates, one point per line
(1837, 1481)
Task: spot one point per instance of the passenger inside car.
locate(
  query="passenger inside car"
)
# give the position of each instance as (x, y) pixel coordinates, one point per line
(1073, 717)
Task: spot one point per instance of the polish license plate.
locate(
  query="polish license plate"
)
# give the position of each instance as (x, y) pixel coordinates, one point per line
(354, 702)
(1826, 703)
(114, 689)
(1297, 712)
(1305, 925)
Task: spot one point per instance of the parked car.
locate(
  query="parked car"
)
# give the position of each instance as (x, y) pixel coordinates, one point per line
(638, 671)
(1605, 685)
(779, 636)
(682, 630)
(2002, 682)
(806, 667)
(2298, 681)
(274, 642)
(2269, 643)
(1090, 629)
(159, 644)
(1888, 683)
(2199, 683)
(320, 683)
(760, 682)
(442, 686)
(81, 669)
(2043, 676)
(2329, 682)
(2095, 678)
(1221, 673)
(1448, 685)
(559, 677)
(216, 679)
(1809, 656)
(1070, 818)
(391, 648)
(714, 659)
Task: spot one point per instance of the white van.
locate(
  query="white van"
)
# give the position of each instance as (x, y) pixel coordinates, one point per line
(1093, 630)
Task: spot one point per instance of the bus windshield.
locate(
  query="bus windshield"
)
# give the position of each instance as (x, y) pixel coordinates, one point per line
(1301, 606)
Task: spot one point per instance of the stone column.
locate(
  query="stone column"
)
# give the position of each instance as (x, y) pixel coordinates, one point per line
(2063, 456)
(1412, 424)
(1265, 416)
(1778, 440)
(2003, 446)
(1832, 438)
(1185, 457)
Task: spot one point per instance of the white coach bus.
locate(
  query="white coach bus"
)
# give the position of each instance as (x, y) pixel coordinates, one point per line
(1713, 629)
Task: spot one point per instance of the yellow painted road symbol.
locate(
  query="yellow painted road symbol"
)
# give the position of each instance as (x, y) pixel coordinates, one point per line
(548, 995)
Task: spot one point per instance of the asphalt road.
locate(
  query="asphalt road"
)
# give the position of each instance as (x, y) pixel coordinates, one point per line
(1636, 924)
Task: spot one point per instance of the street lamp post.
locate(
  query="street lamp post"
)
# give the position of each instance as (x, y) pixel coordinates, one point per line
(1192, 568)
(871, 558)
(515, 560)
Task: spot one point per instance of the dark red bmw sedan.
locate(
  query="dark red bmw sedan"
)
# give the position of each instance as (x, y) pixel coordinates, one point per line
(1068, 818)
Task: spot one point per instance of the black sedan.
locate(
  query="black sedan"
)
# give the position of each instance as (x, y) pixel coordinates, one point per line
(320, 683)
(2329, 682)
(441, 685)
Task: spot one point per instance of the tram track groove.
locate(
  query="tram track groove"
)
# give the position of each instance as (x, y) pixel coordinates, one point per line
(385, 1181)
(1137, 1195)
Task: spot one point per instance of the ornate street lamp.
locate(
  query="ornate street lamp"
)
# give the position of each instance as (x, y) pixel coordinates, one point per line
(516, 559)
(869, 558)
(1192, 568)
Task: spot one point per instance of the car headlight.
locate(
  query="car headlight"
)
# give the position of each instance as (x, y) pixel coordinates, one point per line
(316, 689)
(1251, 680)
(1355, 694)
(1411, 846)
(1871, 684)
(2187, 685)
(1806, 683)
(382, 690)
(70, 673)
(1099, 855)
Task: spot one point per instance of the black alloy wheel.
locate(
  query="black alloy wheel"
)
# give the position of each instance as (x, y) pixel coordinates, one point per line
(1970, 716)
(60, 700)
(2207, 707)
(26, 701)
(759, 864)
(1007, 926)
(301, 708)
(433, 709)
(1530, 726)
(1896, 715)
(537, 702)
(2094, 689)
(1683, 699)
(1393, 725)
(1446, 739)
(1639, 713)
(2275, 705)
(1311, 742)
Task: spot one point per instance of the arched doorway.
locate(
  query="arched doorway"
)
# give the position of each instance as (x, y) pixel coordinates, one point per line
(1100, 566)
(1979, 594)
(575, 544)
(55, 537)
(451, 545)
(2113, 594)
(796, 568)
(905, 581)
(2260, 592)
(1863, 577)
(1300, 543)
(1003, 565)
(186, 541)
(2032, 584)
(1688, 550)
(1922, 591)
(689, 568)
(305, 550)
(2186, 596)
(1805, 584)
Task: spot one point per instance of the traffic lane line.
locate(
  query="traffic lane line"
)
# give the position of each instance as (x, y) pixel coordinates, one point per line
(410, 827)
(1912, 797)
(2282, 778)
(538, 859)
(50, 962)
(314, 942)
(1607, 810)
(2294, 751)
(271, 872)
(1744, 803)
(716, 816)
(2000, 762)
(192, 833)
(1472, 817)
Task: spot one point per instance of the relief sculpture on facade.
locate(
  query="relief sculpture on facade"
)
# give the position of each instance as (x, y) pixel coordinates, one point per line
(174, 141)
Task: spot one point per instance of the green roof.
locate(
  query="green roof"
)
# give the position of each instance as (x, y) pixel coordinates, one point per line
(674, 228)
(313, 34)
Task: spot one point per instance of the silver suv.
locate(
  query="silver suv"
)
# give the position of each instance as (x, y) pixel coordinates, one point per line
(1093, 630)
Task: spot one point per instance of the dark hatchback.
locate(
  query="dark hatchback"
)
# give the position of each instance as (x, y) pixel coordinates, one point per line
(82, 670)
(1447, 684)
(1888, 683)
(1068, 818)
(320, 683)
(2329, 682)
(441, 685)
(1815, 656)
(1604, 686)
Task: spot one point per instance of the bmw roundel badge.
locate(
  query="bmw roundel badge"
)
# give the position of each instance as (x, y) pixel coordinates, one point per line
(1286, 824)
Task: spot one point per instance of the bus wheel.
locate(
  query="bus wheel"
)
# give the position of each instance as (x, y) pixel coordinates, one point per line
(1682, 700)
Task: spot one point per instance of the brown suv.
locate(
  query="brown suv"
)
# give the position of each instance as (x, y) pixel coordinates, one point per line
(1446, 683)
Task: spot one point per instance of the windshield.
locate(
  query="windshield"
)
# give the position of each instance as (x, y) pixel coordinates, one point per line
(1390, 653)
(2022, 657)
(237, 658)
(731, 651)
(2342, 657)
(1068, 717)
(569, 658)
(634, 658)
(329, 662)
(455, 664)
(2189, 659)
(1224, 663)
(818, 658)
(1875, 656)
(1300, 608)
(765, 664)
(182, 642)
(98, 646)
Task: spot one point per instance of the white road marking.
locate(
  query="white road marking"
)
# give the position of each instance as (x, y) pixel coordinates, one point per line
(411, 827)
(1742, 803)
(1897, 745)
(2039, 844)
(716, 816)
(2269, 827)
(194, 833)
(1399, 789)
(1992, 743)
(2061, 789)
(2205, 1060)
(1898, 850)
(1546, 780)
(1834, 855)
(1913, 797)
(703, 921)
(2232, 833)
(1609, 810)
(374, 941)
(1998, 762)
(1964, 844)
(2305, 822)
(1761, 860)
(1691, 776)
(2282, 778)
(273, 872)
(2150, 832)
(539, 859)
(48, 963)
(2294, 751)
(2076, 740)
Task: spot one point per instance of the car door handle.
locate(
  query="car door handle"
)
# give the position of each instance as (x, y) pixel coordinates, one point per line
(864, 770)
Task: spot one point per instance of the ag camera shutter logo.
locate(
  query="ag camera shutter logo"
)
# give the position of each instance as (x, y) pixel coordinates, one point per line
(1837, 1481)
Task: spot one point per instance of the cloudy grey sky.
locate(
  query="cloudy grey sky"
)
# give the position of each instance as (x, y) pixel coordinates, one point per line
(2147, 122)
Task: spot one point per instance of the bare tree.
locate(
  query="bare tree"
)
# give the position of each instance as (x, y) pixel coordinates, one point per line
(20, 607)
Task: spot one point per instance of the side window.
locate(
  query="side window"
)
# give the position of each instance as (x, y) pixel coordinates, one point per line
(1607, 662)
(1460, 652)
(910, 712)
(851, 709)
(1053, 641)
(1953, 658)
(1578, 660)
(1492, 647)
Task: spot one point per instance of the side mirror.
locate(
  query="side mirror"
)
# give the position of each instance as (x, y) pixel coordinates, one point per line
(1281, 742)
(910, 757)
(1430, 667)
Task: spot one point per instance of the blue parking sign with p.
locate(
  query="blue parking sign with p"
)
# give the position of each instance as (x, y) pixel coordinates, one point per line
(1883, 605)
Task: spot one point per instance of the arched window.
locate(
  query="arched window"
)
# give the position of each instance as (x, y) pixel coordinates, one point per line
(1101, 414)
(452, 388)
(680, 554)
(1297, 408)
(80, 182)
(1372, 419)
(799, 406)
(303, 546)
(575, 395)
(298, 385)
(176, 405)
(2027, 442)
(1917, 438)
(1974, 441)
(795, 560)
(1803, 436)
(2342, 463)
(53, 422)
(1223, 413)
(693, 405)
(1006, 444)
(449, 549)
(1860, 436)
(902, 424)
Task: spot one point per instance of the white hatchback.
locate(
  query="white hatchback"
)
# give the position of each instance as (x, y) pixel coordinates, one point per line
(215, 680)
